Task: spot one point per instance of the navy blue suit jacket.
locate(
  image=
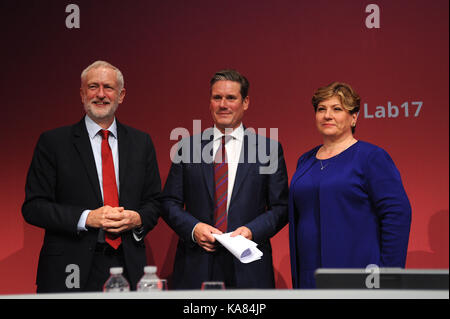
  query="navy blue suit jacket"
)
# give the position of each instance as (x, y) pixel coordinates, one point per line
(259, 202)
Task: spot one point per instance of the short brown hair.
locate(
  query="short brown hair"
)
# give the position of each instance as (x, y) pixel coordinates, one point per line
(232, 75)
(350, 100)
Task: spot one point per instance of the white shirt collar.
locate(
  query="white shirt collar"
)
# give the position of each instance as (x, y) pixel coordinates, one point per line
(93, 127)
(238, 133)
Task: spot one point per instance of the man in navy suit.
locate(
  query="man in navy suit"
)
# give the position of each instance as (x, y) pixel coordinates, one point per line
(253, 205)
(67, 187)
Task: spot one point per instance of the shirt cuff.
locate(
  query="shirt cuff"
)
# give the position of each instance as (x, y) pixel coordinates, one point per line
(138, 233)
(81, 226)
(192, 234)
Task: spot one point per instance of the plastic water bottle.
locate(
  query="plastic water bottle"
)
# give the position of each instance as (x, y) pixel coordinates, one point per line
(116, 282)
(150, 281)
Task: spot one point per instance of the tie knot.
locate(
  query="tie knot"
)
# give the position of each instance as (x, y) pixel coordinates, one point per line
(105, 134)
(226, 138)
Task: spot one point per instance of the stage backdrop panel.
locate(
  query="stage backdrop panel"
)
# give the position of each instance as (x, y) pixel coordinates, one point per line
(394, 53)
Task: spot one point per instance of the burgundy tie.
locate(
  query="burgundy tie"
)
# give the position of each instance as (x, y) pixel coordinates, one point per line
(110, 195)
(221, 187)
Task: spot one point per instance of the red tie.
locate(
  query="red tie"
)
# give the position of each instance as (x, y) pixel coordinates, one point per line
(221, 187)
(110, 195)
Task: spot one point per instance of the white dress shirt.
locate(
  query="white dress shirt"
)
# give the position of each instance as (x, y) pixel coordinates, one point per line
(233, 148)
(96, 138)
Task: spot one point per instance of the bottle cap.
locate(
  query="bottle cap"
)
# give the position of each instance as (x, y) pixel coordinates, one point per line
(115, 270)
(150, 269)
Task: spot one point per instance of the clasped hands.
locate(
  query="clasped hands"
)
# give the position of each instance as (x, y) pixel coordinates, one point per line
(203, 235)
(113, 219)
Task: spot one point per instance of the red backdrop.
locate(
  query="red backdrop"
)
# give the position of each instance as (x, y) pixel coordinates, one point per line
(168, 50)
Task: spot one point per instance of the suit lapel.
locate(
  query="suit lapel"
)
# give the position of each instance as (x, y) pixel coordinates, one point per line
(83, 146)
(207, 160)
(123, 147)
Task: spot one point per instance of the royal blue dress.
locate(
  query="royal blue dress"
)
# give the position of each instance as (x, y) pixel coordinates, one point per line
(348, 211)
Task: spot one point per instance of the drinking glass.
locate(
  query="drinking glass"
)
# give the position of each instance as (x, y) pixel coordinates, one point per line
(213, 285)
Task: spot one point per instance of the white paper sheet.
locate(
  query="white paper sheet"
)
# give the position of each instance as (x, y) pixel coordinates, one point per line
(243, 249)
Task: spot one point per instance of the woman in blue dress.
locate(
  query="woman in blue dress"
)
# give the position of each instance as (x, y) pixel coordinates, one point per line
(347, 204)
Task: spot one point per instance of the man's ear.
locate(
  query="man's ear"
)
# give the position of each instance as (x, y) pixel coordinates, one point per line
(122, 95)
(246, 103)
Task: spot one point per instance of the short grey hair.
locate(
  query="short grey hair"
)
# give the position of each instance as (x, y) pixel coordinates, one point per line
(104, 64)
